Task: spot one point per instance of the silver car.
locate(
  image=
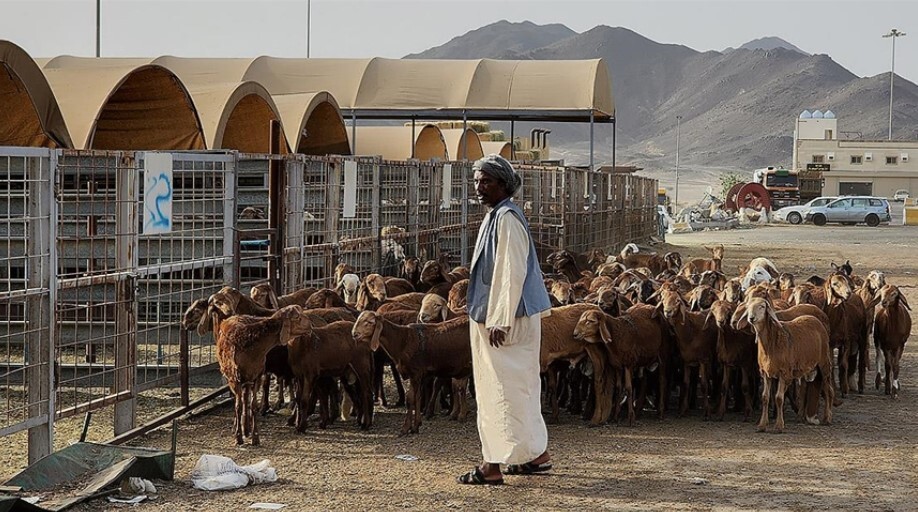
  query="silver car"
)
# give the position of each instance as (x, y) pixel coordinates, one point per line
(851, 210)
(795, 214)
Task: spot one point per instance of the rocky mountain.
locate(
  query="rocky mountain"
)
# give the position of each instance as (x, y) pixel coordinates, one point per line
(768, 43)
(737, 107)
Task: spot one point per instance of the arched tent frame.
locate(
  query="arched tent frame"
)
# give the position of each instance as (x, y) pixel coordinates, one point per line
(456, 143)
(503, 148)
(396, 143)
(313, 123)
(237, 116)
(29, 112)
(124, 104)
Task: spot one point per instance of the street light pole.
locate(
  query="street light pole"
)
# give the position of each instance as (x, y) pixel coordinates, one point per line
(98, 28)
(308, 25)
(892, 73)
(676, 198)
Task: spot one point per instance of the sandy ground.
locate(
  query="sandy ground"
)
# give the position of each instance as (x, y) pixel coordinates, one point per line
(866, 460)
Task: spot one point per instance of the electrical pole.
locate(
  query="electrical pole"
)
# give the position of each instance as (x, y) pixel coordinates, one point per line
(892, 73)
(676, 195)
(308, 25)
(98, 28)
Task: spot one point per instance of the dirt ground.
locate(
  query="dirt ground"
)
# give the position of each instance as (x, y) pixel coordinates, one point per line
(866, 460)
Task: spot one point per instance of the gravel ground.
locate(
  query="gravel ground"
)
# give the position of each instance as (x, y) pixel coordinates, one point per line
(866, 460)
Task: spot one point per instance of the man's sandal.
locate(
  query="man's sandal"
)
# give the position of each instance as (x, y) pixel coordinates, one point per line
(528, 468)
(476, 477)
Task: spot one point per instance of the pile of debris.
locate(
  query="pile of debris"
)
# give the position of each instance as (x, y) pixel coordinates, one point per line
(710, 213)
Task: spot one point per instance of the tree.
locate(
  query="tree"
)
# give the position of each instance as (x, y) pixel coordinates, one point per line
(727, 181)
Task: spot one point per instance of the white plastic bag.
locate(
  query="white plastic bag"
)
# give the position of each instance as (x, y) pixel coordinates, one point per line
(216, 473)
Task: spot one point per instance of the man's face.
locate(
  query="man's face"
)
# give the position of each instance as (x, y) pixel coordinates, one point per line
(489, 189)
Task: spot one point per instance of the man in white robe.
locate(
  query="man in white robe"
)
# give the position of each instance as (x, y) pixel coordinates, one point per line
(506, 303)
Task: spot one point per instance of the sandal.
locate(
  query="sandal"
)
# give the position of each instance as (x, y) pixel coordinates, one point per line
(476, 477)
(528, 468)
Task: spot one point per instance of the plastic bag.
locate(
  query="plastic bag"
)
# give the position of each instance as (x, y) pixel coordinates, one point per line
(216, 473)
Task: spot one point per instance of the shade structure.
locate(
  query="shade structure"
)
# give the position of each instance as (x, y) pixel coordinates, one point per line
(124, 104)
(313, 123)
(497, 148)
(29, 113)
(236, 116)
(394, 142)
(456, 143)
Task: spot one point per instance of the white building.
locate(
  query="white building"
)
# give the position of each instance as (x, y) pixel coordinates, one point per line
(852, 165)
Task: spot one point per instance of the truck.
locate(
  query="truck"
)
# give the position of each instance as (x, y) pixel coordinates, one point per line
(782, 185)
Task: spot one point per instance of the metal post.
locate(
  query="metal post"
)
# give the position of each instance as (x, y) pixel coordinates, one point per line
(892, 73)
(676, 193)
(614, 129)
(353, 133)
(127, 182)
(308, 25)
(590, 177)
(39, 344)
(98, 28)
(465, 146)
(512, 149)
(413, 137)
(275, 209)
(231, 270)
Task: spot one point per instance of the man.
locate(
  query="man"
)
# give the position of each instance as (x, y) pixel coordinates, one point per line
(506, 301)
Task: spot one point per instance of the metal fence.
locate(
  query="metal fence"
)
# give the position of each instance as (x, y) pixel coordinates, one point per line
(91, 299)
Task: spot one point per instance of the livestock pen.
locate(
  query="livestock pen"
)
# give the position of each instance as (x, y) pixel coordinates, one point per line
(91, 297)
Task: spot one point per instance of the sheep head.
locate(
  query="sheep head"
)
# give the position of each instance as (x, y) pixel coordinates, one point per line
(433, 273)
(717, 251)
(890, 295)
(628, 250)
(226, 300)
(348, 287)
(611, 270)
(192, 316)
(720, 314)
(458, 296)
(264, 295)
(702, 297)
(411, 268)
(876, 280)
(562, 292)
(432, 307)
(608, 300)
(600, 282)
(368, 327)
(591, 327)
(673, 260)
(733, 291)
(838, 289)
(671, 304)
(785, 281)
(713, 279)
(295, 323)
(759, 312)
(373, 287)
(341, 269)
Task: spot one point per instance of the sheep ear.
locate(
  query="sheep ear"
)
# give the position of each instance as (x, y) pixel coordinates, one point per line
(834, 266)
(444, 311)
(272, 298)
(657, 310)
(374, 340)
(205, 324)
(904, 302)
(740, 319)
(707, 321)
(604, 331)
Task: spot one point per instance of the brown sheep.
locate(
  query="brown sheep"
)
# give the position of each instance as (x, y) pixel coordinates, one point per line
(435, 275)
(847, 313)
(632, 341)
(434, 308)
(868, 292)
(325, 298)
(696, 343)
(892, 327)
(788, 351)
(411, 271)
(702, 297)
(699, 265)
(735, 351)
(242, 344)
(458, 297)
(396, 286)
(567, 264)
(733, 291)
(265, 296)
(330, 351)
(342, 269)
(420, 351)
(808, 293)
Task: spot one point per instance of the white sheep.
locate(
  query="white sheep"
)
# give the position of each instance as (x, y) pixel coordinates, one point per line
(348, 286)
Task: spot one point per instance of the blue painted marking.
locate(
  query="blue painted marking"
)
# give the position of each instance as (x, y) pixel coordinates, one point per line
(157, 218)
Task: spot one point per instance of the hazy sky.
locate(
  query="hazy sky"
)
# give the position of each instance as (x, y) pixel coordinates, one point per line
(849, 31)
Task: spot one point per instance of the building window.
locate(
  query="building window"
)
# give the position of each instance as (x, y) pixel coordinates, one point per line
(892, 160)
(857, 159)
(818, 159)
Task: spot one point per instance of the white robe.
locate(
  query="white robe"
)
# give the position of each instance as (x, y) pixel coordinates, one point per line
(507, 383)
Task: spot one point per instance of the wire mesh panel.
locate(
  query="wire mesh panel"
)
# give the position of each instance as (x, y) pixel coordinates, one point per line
(429, 207)
(252, 219)
(398, 213)
(543, 200)
(97, 230)
(458, 217)
(311, 251)
(357, 227)
(26, 294)
(190, 262)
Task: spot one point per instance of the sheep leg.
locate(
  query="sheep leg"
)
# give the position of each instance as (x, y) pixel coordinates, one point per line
(551, 389)
(462, 398)
(295, 400)
(684, 392)
(429, 396)
(250, 412)
(399, 388)
(746, 383)
(602, 386)
(880, 364)
(779, 405)
(265, 392)
(724, 391)
(766, 397)
(409, 413)
(897, 356)
(664, 391)
(641, 398)
(302, 413)
(828, 392)
(379, 392)
(843, 370)
(629, 395)
(889, 369)
(237, 412)
(705, 392)
(863, 357)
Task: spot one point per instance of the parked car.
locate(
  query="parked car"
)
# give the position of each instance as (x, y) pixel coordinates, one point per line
(795, 214)
(851, 210)
(900, 195)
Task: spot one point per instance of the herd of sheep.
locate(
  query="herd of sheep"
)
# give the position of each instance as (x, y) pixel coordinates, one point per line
(624, 330)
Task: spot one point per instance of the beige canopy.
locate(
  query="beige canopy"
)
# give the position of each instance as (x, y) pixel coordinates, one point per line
(394, 142)
(456, 144)
(124, 104)
(496, 148)
(313, 124)
(29, 113)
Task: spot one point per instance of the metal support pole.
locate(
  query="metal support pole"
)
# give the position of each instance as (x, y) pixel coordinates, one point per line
(413, 137)
(463, 141)
(892, 73)
(98, 28)
(676, 193)
(275, 209)
(592, 164)
(614, 129)
(512, 147)
(308, 25)
(353, 133)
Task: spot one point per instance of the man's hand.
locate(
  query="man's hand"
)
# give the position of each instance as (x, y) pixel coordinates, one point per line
(497, 337)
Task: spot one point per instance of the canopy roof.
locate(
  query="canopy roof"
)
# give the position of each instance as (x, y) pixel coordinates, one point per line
(29, 113)
(456, 143)
(394, 142)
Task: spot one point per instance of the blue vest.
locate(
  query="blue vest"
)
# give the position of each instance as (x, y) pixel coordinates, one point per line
(534, 298)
